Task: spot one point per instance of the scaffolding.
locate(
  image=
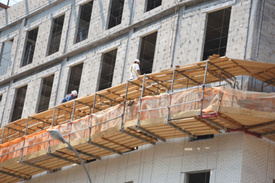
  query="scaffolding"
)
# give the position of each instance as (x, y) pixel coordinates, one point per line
(172, 103)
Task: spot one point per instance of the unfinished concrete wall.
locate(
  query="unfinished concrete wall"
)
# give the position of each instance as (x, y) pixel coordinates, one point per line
(266, 48)
(22, 9)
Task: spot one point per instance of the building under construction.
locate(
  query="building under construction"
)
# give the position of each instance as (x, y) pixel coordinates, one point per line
(203, 109)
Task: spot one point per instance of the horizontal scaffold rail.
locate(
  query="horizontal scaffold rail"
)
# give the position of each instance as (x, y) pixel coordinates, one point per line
(169, 104)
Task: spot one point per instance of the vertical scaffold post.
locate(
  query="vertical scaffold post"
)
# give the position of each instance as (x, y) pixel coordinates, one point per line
(72, 118)
(203, 87)
(53, 116)
(26, 131)
(124, 104)
(170, 96)
(140, 100)
(3, 134)
(51, 126)
(22, 148)
(93, 111)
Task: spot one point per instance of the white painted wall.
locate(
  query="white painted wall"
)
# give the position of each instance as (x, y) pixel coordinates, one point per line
(231, 158)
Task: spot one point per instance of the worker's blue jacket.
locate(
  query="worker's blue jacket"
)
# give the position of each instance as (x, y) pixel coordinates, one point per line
(68, 98)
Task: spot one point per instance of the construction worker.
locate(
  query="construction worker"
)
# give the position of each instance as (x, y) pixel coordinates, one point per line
(135, 70)
(70, 96)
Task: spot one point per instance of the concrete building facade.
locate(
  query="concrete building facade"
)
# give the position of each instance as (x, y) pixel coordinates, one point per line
(54, 42)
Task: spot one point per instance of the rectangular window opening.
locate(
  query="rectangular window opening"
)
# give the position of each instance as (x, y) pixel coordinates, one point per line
(116, 13)
(147, 52)
(217, 33)
(30, 46)
(198, 177)
(75, 78)
(151, 4)
(202, 137)
(56, 33)
(45, 95)
(0, 99)
(19, 102)
(5, 57)
(84, 21)
(107, 69)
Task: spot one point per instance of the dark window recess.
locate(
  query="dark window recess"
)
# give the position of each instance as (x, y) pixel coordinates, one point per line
(30, 46)
(202, 177)
(216, 33)
(107, 69)
(45, 93)
(56, 33)
(75, 78)
(84, 21)
(147, 52)
(202, 137)
(0, 99)
(151, 4)
(5, 57)
(116, 13)
(130, 182)
(19, 102)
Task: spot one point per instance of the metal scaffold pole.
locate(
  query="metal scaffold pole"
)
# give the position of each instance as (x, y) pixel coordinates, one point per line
(203, 87)
(140, 100)
(170, 96)
(124, 103)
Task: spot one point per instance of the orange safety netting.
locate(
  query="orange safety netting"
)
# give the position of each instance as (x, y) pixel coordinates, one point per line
(152, 107)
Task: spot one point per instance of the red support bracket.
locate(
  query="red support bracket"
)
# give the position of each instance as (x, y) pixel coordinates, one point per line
(245, 130)
(210, 115)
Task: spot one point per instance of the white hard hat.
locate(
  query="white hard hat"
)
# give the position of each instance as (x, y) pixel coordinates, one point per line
(74, 92)
(137, 60)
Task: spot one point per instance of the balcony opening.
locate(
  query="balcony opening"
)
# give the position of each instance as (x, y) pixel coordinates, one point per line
(45, 94)
(20, 95)
(84, 21)
(56, 33)
(198, 177)
(30, 47)
(116, 13)
(147, 52)
(75, 78)
(5, 57)
(151, 4)
(107, 69)
(217, 33)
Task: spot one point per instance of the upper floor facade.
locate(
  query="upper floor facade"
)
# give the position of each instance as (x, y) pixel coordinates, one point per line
(49, 48)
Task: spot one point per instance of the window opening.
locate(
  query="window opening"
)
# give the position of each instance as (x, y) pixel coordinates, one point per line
(56, 34)
(116, 13)
(107, 69)
(147, 52)
(201, 177)
(84, 21)
(75, 78)
(5, 57)
(217, 33)
(45, 93)
(0, 99)
(151, 4)
(30, 46)
(202, 137)
(19, 102)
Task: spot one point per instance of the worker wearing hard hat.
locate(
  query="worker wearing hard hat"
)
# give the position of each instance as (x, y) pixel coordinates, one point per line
(135, 70)
(70, 96)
